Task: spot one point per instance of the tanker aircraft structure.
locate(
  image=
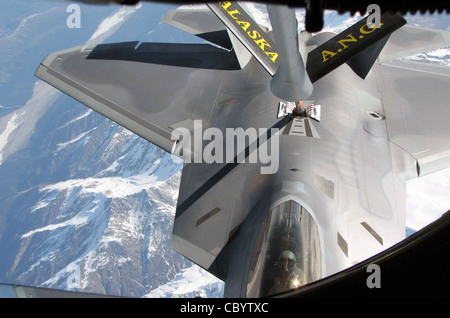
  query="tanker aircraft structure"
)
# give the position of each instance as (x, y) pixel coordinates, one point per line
(344, 122)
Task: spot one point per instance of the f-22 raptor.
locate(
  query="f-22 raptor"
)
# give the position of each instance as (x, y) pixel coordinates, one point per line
(346, 124)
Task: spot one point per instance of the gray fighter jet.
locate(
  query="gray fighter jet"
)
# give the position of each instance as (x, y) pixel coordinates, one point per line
(296, 147)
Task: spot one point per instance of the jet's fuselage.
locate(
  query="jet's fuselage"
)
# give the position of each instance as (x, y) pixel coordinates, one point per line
(332, 176)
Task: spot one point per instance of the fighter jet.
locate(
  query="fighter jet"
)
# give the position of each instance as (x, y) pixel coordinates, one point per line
(296, 146)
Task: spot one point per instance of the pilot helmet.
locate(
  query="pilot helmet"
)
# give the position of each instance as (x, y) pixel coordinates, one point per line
(288, 257)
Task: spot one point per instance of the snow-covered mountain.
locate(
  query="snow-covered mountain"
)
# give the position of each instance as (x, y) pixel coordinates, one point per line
(85, 204)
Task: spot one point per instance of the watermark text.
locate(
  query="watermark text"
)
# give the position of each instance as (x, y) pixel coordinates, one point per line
(74, 19)
(235, 145)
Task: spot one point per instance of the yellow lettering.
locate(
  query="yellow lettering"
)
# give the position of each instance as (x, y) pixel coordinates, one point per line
(254, 34)
(327, 54)
(352, 39)
(244, 25)
(233, 12)
(262, 43)
(226, 4)
(272, 55)
(363, 31)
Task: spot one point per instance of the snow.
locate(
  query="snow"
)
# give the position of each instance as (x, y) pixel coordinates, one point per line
(110, 187)
(111, 24)
(15, 121)
(441, 53)
(44, 202)
(81, 218)
(337, 23)
(191, 282)
(70, 274)
(21, 123)
(193, 6)
(79, 137)
(78, 118)
(258, 13)
(439, 56)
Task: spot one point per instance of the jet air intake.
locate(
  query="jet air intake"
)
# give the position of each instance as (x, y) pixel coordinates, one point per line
(291, 81)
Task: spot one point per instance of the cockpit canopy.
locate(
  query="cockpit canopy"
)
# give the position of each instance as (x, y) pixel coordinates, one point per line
(287, 252)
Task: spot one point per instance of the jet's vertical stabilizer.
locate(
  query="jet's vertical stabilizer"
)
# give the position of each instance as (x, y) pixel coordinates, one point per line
(249, 33)
(347, 46)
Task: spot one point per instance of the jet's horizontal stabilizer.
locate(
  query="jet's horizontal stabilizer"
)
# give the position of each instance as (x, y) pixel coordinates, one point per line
(220, 38)
(200, 22)
(195, 21)
(203, 56)
(349, 44)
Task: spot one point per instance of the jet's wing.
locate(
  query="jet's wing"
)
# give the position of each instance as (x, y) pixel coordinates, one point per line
(152, 88)
(417, 119)
(149, 89)
(413, 95)
(411, 40)
(406, 108)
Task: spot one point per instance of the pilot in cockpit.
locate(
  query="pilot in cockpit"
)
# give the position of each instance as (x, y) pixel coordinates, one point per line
(287, 274)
